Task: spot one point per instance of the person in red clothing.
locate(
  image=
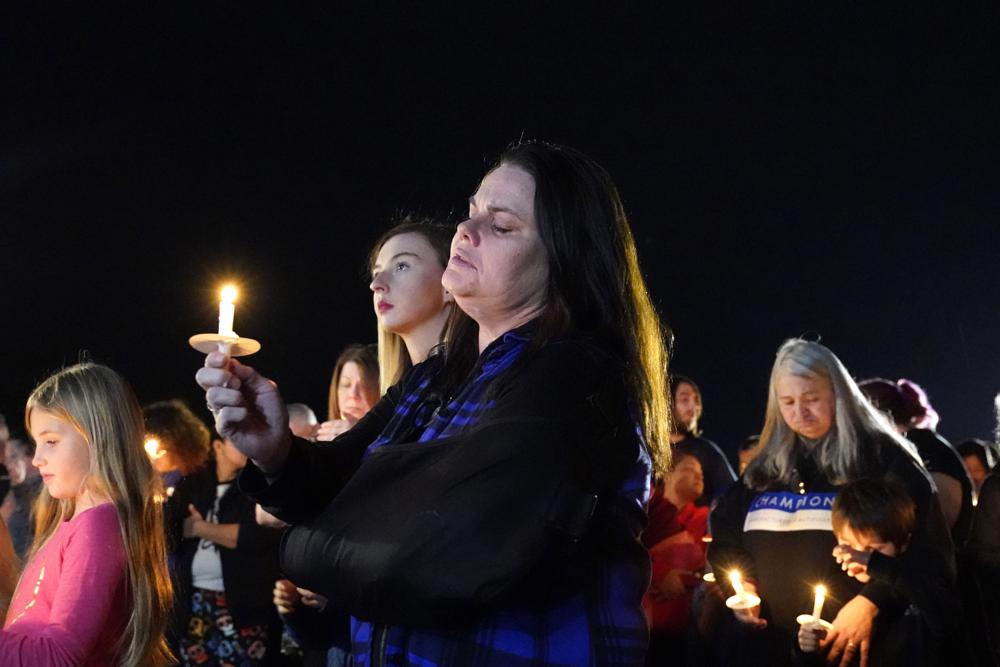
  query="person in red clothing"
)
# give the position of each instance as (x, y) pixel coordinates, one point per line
(677, 552)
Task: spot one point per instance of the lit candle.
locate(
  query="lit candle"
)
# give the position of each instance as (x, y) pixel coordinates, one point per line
(226, 311)
(818, 604)
(734, 578)
(152, 446)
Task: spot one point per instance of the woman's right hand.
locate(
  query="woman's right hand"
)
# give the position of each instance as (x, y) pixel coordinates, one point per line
(750, 616)
(248, 410)
(329, 430)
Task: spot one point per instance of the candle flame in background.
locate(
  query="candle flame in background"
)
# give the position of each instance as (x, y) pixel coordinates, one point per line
(821, 591)
(229, 293)
(153, 449)
(734, 579)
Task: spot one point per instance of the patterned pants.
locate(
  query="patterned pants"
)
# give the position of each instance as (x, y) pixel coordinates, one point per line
(212, 639)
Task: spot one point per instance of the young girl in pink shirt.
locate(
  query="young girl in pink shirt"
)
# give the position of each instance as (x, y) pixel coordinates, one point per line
(95, 590)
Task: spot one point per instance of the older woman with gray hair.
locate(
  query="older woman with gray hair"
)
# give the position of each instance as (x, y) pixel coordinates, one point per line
(774, 526)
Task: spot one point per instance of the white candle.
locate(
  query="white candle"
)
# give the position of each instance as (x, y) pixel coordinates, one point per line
(734, 578)
(226, 311)
(818, 604)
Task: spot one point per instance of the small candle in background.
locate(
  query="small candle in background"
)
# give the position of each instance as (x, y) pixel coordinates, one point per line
(152, 446)
(737, 582)
(818, 604)
(227, 311)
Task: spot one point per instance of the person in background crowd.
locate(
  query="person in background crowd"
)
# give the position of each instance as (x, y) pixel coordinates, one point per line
(979, 458)
(686, 439)
(182, 440)
(983, 555)
(748, 449)
(873, 520)
(4, 475)
(412, 310)
(95, 590)
(677, 553)
(982, 551)
(774, 527)
(353, 390)
(912, 415)
(224, 569)
(10, 567)
(26, 484)
(552, 392)
(411, 307)
(302, 421)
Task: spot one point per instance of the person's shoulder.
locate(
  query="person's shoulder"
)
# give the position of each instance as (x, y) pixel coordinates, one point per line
(99, 524)
(577, 352)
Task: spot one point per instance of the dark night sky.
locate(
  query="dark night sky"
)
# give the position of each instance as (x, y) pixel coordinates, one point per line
(799, 170)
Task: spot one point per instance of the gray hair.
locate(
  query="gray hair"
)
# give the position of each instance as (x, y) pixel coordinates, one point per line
(301, 412)
(859, 430)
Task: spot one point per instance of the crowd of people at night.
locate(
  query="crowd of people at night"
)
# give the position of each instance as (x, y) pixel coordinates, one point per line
(513, 474)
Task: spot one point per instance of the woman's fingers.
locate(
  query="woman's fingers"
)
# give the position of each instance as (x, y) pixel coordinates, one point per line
(229, 417)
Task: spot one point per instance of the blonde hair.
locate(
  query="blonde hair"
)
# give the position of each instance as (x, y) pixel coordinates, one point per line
(101, 406)
(393, 357)
(859, 431)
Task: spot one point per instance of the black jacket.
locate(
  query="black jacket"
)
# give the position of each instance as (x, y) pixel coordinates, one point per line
(786, 564)
(248, 571)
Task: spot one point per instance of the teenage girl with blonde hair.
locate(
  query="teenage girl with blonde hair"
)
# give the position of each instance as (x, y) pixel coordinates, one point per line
(414, 312)
(95, 590)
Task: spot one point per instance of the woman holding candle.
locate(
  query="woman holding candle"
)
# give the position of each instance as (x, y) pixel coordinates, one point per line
(487, 510)
(819, 434)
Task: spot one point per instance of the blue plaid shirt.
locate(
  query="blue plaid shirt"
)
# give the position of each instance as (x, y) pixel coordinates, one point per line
(600, 625)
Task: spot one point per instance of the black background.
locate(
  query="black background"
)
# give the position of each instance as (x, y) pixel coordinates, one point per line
(819, 170)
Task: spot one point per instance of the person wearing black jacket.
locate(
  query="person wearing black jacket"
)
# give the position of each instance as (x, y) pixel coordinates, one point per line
(873, 520)
(983, 553)
(775, 527)
(906, 405)
(226, 564)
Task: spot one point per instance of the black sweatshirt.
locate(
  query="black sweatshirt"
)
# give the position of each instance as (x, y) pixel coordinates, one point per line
(782, 539)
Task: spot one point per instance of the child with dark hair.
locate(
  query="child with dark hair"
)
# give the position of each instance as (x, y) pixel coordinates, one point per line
(874, 520)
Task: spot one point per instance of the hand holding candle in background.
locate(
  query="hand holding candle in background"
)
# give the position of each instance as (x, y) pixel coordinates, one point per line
(745, 603)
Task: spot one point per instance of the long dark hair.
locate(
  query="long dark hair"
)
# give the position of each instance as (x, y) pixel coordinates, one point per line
(595, 285)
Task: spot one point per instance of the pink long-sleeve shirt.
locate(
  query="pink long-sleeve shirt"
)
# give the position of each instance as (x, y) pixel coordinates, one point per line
(72, 604)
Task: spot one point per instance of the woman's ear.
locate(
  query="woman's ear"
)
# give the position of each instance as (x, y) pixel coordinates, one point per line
(448, 297)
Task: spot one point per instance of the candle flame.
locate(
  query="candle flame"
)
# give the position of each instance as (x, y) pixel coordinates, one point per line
(229, 293)
(821, 590)
(734, 576)
(152, 446)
